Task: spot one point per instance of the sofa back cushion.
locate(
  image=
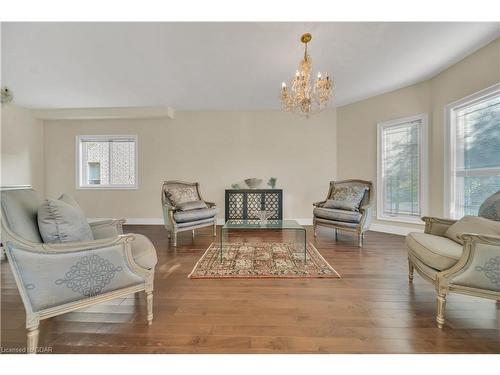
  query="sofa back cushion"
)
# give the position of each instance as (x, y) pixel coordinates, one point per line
(472, 224)
(19, 213)
(60, 222)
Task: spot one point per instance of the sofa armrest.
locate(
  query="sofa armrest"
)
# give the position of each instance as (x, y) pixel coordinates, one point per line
(475, 239)
(437, 226)
(210, 204)
(168, 206)
(51, 275)
(318, 204)
(476, 267)
(107, 228)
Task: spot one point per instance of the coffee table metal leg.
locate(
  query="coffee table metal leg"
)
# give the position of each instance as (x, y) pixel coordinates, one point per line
(305, 247)
(221, 244)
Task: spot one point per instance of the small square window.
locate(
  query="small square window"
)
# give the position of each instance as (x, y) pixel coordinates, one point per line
(107, 162)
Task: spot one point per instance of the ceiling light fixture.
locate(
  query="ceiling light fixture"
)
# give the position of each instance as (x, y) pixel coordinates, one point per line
(304, 96)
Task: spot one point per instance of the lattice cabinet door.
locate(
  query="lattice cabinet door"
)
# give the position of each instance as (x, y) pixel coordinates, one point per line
(241, 204)
(234, 206)
(273, 202)
(254, 203)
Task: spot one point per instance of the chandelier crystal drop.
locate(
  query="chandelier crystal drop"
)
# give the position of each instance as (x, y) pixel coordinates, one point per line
(304, 96)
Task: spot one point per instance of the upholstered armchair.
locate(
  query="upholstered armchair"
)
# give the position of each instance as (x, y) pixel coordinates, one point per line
(57, 278)
(352, 218)
(467, 261)
(184, 209)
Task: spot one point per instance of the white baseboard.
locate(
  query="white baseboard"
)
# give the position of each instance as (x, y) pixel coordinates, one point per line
(144, 221)
(159, 221)
(376, 227)
(393, 229)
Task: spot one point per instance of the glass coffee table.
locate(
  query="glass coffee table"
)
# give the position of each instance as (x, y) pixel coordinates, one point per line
(297, 231)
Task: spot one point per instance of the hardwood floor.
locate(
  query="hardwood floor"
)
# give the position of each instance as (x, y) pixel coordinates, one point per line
(372, 309)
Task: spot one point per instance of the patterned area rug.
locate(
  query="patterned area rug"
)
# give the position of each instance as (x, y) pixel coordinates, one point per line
(261, 260)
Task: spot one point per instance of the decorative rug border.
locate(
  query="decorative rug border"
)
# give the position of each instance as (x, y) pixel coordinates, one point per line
(190, 276)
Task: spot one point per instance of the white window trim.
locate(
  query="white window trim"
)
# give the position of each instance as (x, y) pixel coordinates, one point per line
(449, 193)
(423, 149)
(78, 162)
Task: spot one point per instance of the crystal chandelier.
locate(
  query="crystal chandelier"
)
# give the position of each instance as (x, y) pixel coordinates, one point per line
(304, 96)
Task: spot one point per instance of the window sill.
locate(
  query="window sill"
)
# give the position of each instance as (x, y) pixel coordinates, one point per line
(401, 219)
(107, 188)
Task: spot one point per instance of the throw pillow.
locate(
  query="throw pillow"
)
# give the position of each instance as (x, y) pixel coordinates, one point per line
(192, 205)
(472, 224)
(341, 205)
(182, 194)
(59, 222)
(490, 209)
(351, 194)
(66, 198)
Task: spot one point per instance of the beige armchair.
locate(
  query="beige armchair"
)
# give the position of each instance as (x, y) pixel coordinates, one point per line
(471, 268)
(348, 220)
(57, 278)
(198, 214)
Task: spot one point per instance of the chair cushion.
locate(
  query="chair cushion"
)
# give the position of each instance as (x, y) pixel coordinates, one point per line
(338, 215)
(472, 224)
(191, 205)
(341, 205)
(19, 210)
(194, 215)
(197, 223)
(437, 252)
(59, 222)
(143, 251)
(179, 194)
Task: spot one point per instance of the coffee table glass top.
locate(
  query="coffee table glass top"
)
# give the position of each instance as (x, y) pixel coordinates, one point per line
(255, 224)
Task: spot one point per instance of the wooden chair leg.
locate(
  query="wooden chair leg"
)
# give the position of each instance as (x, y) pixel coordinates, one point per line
(215, 228)
(441, 307)
(411, 270)
(193, 233)
(336, 234)
(32, 339)
(174, 239)
(360, 239)
(149, 303)
(314, 229)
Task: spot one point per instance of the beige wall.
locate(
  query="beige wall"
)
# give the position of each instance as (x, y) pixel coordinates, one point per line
(220, 148)
(357, 122)
(474, 73)
(214, 148)
(22, 148)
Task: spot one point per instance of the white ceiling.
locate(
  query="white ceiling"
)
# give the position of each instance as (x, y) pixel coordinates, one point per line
(220, 66)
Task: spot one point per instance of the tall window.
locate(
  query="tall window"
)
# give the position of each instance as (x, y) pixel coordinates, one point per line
(473, 152)
(106, 161)
(402, 168)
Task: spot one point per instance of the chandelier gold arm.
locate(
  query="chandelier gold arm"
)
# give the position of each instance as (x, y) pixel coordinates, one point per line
(306, 95)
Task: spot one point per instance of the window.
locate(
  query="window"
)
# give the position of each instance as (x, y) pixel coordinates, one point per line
(106, 161)
(473, 152)
(402, 169)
